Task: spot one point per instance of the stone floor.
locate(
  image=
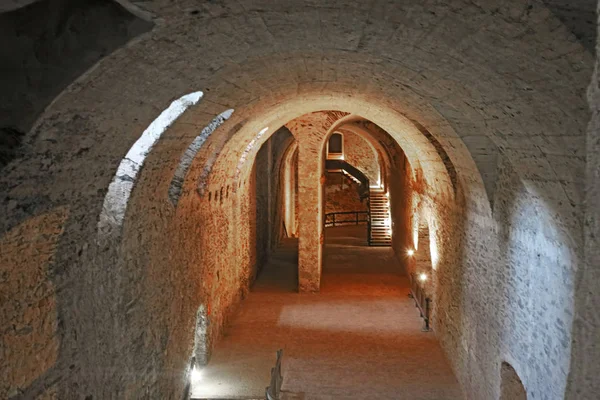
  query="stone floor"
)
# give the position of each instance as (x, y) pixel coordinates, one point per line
(359, 338)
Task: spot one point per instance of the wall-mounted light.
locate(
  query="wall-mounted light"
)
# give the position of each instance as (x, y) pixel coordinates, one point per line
(422, 277)
(410, 252)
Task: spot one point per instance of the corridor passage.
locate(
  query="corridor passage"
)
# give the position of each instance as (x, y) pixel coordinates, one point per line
(359, 338)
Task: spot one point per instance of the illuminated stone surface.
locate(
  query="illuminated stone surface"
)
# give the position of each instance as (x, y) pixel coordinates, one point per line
(486, 102)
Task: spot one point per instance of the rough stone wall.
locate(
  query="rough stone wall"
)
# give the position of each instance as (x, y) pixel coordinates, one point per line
(296, 202)
(401, 193)
(44, 47)
(9, 5)
(422, 256)
(29, 345)
(342, 194)
(525, 266)
(269, 193)
(361, 155)
(531, 277)
(262, 177)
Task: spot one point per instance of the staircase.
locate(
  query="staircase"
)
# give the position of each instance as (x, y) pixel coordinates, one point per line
(380, 218)
(352, 173)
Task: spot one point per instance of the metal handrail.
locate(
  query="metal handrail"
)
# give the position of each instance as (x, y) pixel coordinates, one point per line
(369, 236)
(274, 389)
(364, 188)
(422, 302)
(330, 218)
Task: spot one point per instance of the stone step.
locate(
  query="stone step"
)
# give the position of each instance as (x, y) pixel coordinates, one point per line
(379, 206)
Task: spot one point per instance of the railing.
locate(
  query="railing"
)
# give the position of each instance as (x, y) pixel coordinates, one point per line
(347, 218)
(274, 389)
(422, 302)
(364, 193)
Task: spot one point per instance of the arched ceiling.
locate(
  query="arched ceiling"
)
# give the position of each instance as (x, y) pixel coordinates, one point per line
(10, 5)
(486, 79)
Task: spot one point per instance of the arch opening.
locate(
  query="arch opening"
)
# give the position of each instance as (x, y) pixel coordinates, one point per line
(511, 386)
(282, 178)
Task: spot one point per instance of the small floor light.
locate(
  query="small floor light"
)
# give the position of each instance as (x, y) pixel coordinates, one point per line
(410, 252)
(422, 277)
(196, 374)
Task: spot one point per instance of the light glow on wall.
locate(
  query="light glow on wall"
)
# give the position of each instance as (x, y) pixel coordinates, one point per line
(378, 185)
(119, 190)
(196, 374)
(416, 219)
(388, 220)
(249, 149)
(189, 155)
(433, 248)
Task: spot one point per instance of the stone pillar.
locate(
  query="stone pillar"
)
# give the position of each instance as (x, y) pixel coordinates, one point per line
(310, 132)
(310, 210)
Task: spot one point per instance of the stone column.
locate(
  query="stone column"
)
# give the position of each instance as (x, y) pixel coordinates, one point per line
(310, 132)
(310, 213)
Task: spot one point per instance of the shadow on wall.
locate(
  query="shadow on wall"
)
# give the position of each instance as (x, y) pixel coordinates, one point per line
(579, 17)
(46, 46)
(270, 189)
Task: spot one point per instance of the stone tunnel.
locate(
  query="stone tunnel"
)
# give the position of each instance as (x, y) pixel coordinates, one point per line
(187, 187)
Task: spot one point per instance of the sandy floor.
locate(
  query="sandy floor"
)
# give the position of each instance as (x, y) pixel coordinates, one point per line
(359, 338)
